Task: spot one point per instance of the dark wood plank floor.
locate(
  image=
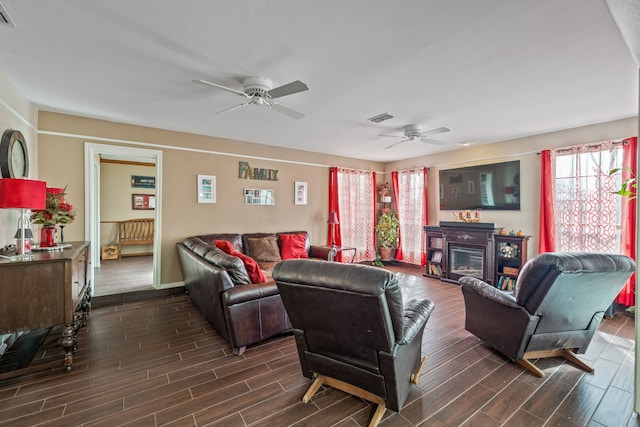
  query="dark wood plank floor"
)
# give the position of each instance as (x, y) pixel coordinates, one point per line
(158, 362)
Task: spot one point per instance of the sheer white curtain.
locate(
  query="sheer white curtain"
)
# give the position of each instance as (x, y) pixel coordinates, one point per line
(587, 215)
(356, 198)
(410, 202)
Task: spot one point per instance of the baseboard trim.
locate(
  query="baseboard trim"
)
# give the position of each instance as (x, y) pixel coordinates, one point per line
(118, 299)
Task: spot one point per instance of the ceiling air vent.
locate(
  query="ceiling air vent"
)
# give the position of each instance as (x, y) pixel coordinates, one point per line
(380, 118)
(5, 20)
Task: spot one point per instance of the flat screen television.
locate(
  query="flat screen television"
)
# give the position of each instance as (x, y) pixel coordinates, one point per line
(494, 186)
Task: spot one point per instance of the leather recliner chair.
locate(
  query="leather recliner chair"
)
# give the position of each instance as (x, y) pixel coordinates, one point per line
(352, 331)
(558, 303)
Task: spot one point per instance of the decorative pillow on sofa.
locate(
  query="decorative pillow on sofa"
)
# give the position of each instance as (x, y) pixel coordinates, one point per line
(293, 246)
(251, 266)
(233, 265)
(265, 248)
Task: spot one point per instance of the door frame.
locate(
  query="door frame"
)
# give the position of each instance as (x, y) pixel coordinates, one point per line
(92, 153)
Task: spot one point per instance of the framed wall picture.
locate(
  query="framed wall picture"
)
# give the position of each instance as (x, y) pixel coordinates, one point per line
(300, 193)
(206, 189)
(143, 202)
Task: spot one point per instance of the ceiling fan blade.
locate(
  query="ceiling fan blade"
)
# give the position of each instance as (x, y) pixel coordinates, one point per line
(399, 142)
(436, 131)
(235, 107)
(286, 110)
(391, 136)
(228, 89)
(432, 141)
(288, 89)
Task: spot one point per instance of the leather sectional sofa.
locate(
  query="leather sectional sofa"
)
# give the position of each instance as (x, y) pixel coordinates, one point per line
(220, 276)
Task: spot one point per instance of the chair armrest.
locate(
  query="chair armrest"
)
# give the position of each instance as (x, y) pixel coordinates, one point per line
(416, 314)
(320, 252)
(473, 284)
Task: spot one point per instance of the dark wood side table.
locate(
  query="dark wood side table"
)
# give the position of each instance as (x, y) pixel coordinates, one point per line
(50, 289)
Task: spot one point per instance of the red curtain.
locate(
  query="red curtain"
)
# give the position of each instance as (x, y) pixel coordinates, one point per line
(629, 222)
(423, 257)
(547, 242)
(334, 206)
(394, 183)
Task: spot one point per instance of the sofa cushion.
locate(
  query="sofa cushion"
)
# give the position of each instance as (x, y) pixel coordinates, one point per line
(232, 264)
(234, 238)
(197, 245)
(264, 248)
(253, 270)
(293, 246)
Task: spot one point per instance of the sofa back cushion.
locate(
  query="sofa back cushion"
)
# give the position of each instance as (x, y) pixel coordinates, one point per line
(232, 264)
(234, 238)
(197, 246)
(253, 270)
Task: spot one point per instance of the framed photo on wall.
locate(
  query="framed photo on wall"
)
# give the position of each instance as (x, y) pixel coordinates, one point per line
(300, 193)
(143, 202)
(206, 189)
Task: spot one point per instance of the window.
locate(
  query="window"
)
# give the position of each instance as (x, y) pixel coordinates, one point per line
(356, 198)
(412, 214)
(587, 215)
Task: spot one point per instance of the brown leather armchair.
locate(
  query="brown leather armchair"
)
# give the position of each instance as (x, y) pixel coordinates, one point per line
(352, 331)
(558, 303)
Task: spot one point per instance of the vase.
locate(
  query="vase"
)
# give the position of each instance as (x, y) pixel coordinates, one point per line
(48, 236)
(385, 254)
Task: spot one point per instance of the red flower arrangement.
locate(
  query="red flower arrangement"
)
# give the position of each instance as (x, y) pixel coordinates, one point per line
(57, 210)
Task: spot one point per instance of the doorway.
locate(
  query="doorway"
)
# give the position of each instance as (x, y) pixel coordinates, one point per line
(93, 155)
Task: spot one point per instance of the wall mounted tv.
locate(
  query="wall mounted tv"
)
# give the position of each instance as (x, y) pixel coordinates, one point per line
(494, 186)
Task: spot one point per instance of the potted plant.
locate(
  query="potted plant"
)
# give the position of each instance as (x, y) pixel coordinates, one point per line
(387, 234)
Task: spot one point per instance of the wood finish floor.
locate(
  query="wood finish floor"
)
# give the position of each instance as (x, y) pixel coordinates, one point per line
(157, 362)
(128, 274)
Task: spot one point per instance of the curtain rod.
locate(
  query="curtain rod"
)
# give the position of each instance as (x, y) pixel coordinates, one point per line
(594, 145)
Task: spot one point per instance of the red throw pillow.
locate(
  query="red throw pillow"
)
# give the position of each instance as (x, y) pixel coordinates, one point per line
(225, 246)
(293, 246)
(255, 274)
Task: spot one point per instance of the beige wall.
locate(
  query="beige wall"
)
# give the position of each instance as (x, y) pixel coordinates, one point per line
(60, 151)
(184, 156)
(115, 200)
(16, 112)
(524, 149)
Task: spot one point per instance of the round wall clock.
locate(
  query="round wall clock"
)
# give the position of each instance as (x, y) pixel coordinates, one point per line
(14, 158)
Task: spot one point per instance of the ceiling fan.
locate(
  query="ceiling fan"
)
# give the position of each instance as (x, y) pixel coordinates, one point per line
(415, 133)
(260, 91)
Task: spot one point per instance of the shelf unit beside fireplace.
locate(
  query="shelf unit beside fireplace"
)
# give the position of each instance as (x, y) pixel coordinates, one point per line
(511, 254)
(435, 248)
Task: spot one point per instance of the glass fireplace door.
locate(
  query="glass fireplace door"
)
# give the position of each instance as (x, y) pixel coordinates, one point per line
(466, 261)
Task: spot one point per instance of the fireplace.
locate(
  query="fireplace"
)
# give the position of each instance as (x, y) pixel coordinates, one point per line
(468, 250)
(466, 261)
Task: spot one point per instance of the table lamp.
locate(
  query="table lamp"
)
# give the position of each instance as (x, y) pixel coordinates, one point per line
(22, 194)
(333, 221)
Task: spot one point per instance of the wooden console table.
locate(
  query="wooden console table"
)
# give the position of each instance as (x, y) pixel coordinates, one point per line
(50, 289)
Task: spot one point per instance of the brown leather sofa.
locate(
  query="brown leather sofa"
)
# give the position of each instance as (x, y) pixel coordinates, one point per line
(559, 301)
(244, 313)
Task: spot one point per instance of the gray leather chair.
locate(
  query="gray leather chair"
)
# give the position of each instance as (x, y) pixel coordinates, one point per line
(352, 331)
(558, 303)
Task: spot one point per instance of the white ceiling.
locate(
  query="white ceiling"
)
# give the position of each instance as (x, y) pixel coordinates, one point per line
(489, 70)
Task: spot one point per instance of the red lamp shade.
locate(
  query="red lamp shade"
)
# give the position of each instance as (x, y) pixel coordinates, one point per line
(333, 218)
(22, 193)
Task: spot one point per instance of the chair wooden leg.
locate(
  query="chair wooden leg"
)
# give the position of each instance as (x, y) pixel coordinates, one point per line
(313, 388)
(530, 367)
(416, 376)
(377, 416)
(566, 353)
(571, 357)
